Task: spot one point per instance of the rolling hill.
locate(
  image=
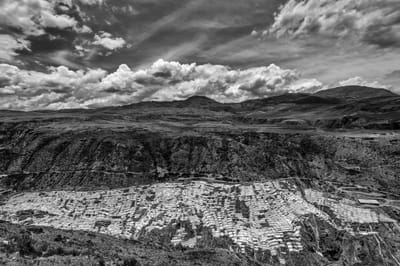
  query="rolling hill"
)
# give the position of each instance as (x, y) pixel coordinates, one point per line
(355, 92)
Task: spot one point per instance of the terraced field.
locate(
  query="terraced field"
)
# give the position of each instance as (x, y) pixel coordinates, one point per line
(265, 216)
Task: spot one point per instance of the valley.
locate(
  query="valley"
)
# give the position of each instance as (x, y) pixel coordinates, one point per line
(288, 180)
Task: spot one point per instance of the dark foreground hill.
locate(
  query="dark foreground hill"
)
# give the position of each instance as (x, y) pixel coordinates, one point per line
(45, 246)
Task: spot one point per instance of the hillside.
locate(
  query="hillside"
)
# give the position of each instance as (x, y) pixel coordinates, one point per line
(290, 135)
(355, 93)
(275, 181)
(338, 108)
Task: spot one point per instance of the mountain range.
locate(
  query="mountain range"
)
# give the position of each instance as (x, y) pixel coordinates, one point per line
(352, 107)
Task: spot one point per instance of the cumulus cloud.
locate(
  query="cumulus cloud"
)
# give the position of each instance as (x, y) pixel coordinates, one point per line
(106, 40)
(51, 20)
(358, 81)
(19, 14)
(63, 88)
(372, 21)
(32, 18)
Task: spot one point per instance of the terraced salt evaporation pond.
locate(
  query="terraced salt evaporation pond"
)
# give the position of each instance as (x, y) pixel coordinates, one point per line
(260, 216)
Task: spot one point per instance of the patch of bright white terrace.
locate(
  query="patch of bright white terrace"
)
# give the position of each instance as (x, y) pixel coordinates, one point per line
(260, 215)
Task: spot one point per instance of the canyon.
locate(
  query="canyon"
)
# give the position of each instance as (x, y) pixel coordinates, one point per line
(278, 181)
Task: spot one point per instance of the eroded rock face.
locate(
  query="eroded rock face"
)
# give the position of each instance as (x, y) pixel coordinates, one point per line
(37, 156)
(53, 159)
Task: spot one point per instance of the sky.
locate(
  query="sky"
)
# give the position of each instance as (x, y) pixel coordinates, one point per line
(58, 54)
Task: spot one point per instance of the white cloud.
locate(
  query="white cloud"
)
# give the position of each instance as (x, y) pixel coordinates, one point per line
(358, 81)
(29, 83)
(8, 46)
(92, 2)
(32, 17)
(84, 29)
(173, 81)
(64, 88)
(125, 9)
(86, 2)
(48, 19)
(106, 40)
(372, 21)
(307, 86)
(20, 14)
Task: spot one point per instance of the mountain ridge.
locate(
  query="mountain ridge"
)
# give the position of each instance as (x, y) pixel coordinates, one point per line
(331, 109)
(328, 96)
(356, 91)
(332, 95)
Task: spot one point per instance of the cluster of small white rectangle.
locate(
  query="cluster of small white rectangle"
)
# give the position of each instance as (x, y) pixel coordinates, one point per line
(272, 223)
(345, 209)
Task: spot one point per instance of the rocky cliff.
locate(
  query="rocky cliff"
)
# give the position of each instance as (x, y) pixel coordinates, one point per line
(37, 156)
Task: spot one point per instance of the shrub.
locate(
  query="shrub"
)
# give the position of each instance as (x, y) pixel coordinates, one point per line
(130, 262)
(24, 243)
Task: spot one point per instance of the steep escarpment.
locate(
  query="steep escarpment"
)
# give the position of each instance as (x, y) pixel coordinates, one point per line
(39, 158)
(43, 156)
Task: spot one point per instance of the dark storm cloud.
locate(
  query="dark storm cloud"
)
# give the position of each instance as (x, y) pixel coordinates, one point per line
(383, 36)
(54, 39)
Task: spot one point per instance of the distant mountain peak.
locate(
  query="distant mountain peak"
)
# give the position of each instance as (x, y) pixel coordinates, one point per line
(199, 98)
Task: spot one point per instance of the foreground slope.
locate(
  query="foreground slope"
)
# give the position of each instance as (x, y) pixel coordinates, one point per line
(273, 223)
